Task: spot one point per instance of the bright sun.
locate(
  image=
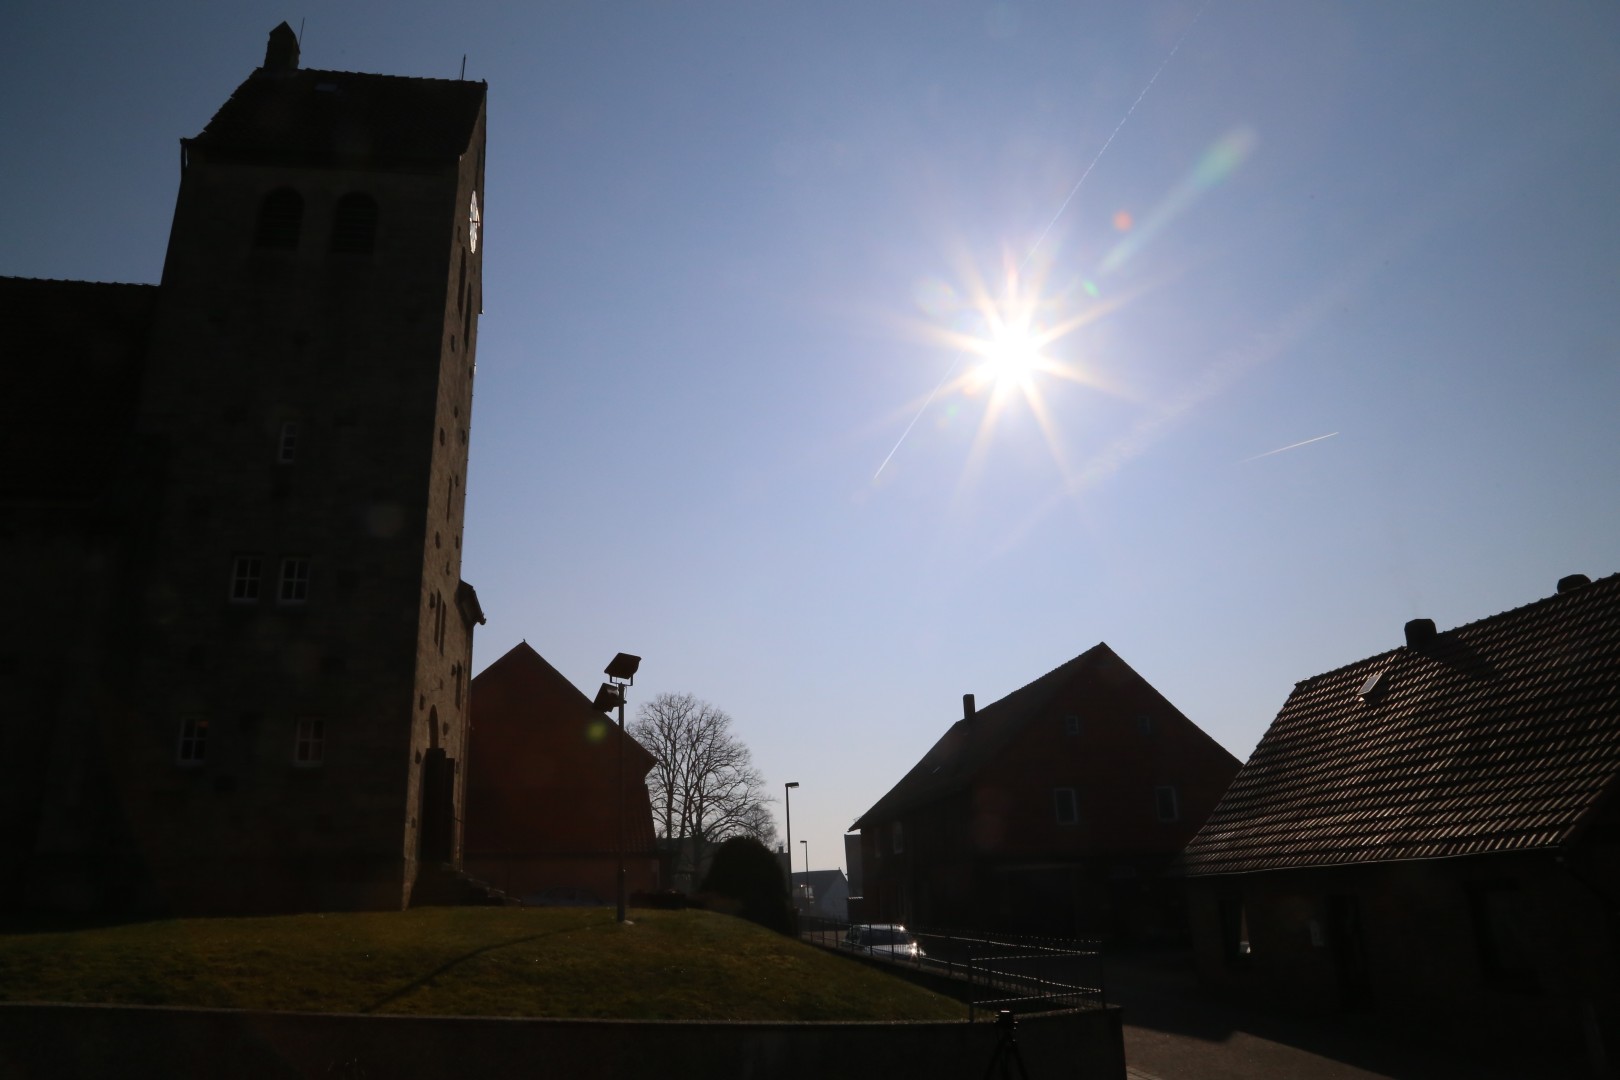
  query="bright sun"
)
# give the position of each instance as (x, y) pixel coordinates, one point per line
(1011, 358)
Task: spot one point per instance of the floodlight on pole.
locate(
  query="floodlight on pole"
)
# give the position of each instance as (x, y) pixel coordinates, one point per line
(621, 672)
(787, 799)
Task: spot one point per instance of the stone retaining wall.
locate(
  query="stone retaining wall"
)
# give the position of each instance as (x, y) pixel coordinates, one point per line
(48, 1042)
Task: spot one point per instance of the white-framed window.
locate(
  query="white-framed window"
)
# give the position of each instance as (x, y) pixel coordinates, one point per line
(247, 571)
(287, 443)
(1167, 802)
(309, 743)
(1066, 805)
(192, 746)
(294, 580)
(1071, 724)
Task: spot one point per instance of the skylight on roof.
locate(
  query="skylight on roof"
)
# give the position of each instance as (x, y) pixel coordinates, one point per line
(1372, 687)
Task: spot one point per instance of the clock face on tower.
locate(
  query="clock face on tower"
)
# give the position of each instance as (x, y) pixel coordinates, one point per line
(473, 224)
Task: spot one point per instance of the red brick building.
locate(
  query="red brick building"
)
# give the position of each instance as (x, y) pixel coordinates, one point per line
(541, 812)
(1056, 809)
(1434, 832)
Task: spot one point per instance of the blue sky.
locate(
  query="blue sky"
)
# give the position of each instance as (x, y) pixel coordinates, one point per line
(728, 247)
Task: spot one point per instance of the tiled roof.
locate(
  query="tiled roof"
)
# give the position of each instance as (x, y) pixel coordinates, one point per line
(1500, 735)
(344, 119)
(523, 665)
(969, 746)
(72, 371)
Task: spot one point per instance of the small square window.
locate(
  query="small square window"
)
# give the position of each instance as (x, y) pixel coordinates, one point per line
(246, 573)
(1066, 805)
(1071, 724)
(309, 746)
(287, 445)
(294, 581)
(192, 747)
(1167, 803)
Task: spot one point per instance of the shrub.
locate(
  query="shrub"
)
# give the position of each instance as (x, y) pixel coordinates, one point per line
(746, 873)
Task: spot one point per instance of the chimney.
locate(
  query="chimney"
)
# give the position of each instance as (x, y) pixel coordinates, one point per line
(1572, 582)
(967, 707)
(282, 52)
(1419, 633)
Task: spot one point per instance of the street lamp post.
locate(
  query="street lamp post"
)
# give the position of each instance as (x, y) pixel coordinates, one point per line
(787, 798)
(621, 673)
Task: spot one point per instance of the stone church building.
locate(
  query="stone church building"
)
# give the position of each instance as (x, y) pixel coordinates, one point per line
(238, 642)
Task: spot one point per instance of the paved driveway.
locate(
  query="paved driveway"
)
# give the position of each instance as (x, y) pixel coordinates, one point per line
(1176, 1031)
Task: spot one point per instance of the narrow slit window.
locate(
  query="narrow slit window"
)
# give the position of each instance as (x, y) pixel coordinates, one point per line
(1066, 805)
(287, 444)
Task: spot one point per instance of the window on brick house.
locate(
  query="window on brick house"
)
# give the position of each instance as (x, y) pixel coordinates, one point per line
(1071, 724)
(354, 224)
(294, 580)
(1066, 805)
(287, 444)
(192, 746)
(1167, 803)
(897, 837)
(309, 743)
(281, 218)
(246, 573)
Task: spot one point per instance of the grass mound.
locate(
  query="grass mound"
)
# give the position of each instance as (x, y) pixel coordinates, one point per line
(557, 962)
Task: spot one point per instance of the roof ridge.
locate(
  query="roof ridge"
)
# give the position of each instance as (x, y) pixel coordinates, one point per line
(1551, 598)
(382, 75)
(80, 281)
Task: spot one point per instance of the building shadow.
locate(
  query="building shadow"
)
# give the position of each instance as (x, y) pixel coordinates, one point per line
(1158, 989)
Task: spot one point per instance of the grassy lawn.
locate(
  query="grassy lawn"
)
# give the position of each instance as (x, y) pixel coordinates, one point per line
(556, 962)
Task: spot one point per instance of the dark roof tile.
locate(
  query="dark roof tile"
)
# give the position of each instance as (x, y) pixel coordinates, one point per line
(1499, 735)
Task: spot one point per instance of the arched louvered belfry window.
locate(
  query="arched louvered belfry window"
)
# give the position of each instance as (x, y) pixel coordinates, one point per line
(281, 216)
(354, 224)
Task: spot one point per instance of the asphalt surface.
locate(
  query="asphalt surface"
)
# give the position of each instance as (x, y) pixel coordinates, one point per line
(1174, 1030)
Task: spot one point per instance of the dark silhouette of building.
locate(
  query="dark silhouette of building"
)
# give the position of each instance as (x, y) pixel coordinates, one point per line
(232, 508)
(1057, 809)
(1434, 833)
(543, 823)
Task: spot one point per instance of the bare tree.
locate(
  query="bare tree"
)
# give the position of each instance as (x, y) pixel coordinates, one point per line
(704, 787)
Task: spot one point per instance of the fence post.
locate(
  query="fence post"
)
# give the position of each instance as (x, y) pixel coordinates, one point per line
(970, 982)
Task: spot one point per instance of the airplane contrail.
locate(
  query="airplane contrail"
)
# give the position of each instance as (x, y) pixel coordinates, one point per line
(1290, 446)
(1042, 238)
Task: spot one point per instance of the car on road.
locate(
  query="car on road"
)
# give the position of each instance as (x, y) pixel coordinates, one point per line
(889, 941)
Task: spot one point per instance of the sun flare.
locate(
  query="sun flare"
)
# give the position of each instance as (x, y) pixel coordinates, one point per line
(1011, 359)
(1007, 342)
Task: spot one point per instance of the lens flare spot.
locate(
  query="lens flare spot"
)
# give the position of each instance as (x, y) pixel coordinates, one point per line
(935, 298)
(1091, 289)
(1123, 221)
(596, 730)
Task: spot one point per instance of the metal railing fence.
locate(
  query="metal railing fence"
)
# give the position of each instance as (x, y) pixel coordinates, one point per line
(1002, 971)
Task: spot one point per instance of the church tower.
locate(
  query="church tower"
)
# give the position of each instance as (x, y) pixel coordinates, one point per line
(293, 686)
